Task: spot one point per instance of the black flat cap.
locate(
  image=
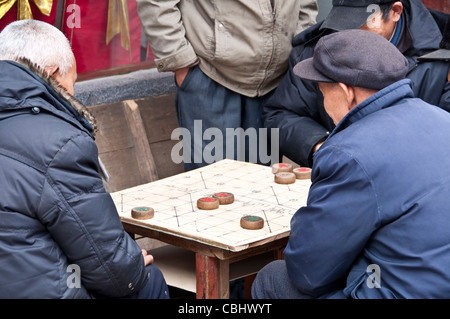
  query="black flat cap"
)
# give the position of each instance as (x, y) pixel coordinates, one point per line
(350, 14)
(356, 58)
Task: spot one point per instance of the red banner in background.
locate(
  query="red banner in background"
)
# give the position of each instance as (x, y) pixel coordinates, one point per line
(85, 23)
(440, 5)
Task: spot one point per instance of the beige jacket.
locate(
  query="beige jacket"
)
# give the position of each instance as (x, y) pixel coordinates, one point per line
(242, 44)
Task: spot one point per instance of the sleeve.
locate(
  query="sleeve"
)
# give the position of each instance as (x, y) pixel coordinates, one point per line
(166, 34)
(295, 110)
(307, 15)
(331, 231)
(83, 220)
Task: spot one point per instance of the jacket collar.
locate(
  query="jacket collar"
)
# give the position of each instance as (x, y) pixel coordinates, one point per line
(383, 99)
(24, 86)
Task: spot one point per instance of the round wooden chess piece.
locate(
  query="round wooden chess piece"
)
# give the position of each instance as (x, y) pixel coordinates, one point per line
(224, 198)
(285, 178)
(252, 222)
(303, 173)
(281, 168)
(142, 213)
(208, 203)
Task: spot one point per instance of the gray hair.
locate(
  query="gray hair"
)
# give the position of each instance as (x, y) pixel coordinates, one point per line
(38, 42)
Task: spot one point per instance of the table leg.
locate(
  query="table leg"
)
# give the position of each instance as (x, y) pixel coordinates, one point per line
(213, 277)
(278, 254)
(248, 282)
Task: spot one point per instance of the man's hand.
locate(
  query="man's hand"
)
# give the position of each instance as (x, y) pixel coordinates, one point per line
(148, 259)
(318, 145)
(180, 75)
(448, 76)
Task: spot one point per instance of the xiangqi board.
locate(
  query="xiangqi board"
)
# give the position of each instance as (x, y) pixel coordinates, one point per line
(255, 194)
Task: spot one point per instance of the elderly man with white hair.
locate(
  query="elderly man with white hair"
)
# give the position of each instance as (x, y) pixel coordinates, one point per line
(60, 234)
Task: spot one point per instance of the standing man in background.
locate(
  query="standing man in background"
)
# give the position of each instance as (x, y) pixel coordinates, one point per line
(228, 57)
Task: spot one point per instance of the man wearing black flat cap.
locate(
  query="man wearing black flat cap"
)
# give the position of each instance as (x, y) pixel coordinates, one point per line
(377, 223)
(296, 108)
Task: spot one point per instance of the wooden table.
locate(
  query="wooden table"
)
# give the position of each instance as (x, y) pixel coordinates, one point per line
(216, 236)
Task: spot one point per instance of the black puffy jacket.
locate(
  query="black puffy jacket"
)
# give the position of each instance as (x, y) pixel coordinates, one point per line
(296, 107)
(60, 234)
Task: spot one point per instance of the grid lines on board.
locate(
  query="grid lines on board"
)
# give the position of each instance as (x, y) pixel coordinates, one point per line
(174, 202)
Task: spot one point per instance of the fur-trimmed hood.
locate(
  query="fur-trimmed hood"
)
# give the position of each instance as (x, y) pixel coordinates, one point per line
(24, 85)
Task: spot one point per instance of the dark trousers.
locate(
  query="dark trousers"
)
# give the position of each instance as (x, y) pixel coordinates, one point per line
(273, 282)
(218, 122)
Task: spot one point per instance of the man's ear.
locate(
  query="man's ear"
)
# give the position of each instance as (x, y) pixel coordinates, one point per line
(349, 93)
(51, 70)
(396, 11)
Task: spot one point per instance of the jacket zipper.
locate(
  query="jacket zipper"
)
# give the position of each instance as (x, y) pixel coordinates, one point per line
(274, 20)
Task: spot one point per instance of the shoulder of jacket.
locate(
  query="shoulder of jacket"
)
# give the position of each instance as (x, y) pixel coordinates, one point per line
(311, 34)
(304, 43)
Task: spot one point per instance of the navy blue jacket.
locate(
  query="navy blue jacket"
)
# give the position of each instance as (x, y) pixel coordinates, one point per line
(56, 219)
(379, 199)
(296, 107)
